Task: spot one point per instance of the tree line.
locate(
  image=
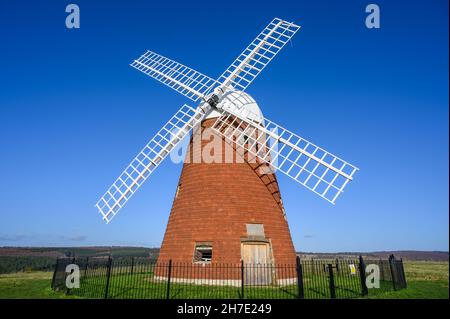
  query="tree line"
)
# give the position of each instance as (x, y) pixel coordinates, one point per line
(11, 264)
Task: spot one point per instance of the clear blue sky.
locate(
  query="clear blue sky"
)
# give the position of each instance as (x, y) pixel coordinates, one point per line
(73, 113)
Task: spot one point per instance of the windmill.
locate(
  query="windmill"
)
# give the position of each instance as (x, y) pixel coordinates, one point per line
(229, 211)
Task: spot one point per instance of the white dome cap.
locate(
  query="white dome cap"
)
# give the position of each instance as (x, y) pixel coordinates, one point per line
(241, 99)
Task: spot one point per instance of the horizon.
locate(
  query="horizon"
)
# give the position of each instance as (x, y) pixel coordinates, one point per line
(297, 251)
(75, 113)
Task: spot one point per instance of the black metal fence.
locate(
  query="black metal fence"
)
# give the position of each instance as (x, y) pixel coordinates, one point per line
(139, 278)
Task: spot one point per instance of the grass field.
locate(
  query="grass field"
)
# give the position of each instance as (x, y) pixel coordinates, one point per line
(28, 285)
(425, 280)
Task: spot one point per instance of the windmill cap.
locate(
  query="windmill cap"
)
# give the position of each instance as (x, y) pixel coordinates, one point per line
(241, 99)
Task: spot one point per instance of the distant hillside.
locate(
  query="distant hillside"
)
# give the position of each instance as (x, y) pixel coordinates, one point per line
(115, 251)
(15, 259)
(405, 254)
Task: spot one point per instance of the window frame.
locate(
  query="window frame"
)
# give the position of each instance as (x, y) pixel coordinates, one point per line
(204, 246)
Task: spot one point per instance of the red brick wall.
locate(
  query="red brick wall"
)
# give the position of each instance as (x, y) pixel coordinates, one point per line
(215, 202)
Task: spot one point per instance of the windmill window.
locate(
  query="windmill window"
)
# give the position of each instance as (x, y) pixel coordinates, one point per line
(203, 253)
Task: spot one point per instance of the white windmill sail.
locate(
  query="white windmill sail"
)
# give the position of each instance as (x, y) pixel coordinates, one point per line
(177, 76)
(258, 54)
(306, 163)
(318, 170)
(148, 160)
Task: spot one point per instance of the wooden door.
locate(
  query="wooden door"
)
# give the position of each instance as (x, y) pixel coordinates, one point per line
(257, 265)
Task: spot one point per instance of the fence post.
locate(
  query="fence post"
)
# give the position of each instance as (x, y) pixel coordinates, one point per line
(132, 265)
(337, 265)
(362, 276)
(54, 273)
(403, 273)
(391, 266)
(86, 268)
(382, 274)
(301, 291)
(169, 274)
(242, 279)
(108, 275)
(332, 287)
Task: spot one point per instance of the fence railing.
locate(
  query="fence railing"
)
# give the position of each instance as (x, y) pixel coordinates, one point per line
(139, 278)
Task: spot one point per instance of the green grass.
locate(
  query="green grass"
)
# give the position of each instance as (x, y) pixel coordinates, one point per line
(418, 290)
(425, 280)
(24, 285)
(143, 285)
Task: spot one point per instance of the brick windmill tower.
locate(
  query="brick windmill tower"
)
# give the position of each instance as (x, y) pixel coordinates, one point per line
(227, 205)
(227, 211)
